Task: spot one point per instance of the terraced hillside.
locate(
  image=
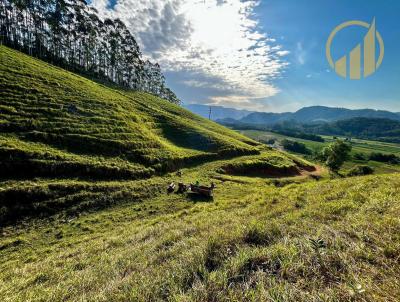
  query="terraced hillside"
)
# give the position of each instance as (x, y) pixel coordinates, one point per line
(55, 123)
(68, 143)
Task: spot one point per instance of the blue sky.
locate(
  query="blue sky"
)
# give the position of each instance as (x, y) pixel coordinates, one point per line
(310, 23)
(264, 55)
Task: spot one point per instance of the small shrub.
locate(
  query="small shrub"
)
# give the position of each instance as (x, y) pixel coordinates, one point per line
(360, 170)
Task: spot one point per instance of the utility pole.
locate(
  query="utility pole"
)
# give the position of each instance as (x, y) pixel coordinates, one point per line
(209, 113)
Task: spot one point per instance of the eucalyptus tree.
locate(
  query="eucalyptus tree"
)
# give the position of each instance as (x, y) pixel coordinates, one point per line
(70, 34)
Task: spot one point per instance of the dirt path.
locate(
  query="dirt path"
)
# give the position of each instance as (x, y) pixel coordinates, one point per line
(319, 170)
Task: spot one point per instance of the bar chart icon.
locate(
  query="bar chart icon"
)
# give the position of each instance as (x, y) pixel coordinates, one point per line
(362, 60)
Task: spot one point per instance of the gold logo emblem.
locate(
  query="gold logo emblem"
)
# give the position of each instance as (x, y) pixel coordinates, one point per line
(370, 64)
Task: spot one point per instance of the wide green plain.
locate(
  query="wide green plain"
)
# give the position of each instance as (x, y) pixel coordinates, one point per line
(365, 147)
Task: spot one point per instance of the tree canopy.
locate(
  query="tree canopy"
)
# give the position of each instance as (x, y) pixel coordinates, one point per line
(69, 33)
(336, 154)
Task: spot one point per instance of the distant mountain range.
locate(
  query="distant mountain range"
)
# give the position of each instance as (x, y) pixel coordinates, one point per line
(305, 115)
(317, 114)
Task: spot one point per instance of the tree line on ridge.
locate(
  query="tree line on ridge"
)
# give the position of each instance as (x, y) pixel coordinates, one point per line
(70, 34)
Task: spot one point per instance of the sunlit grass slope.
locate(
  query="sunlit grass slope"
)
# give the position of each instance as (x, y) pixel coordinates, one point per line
(332, 240)
(60, 133)
(55, 123)
(269, 164)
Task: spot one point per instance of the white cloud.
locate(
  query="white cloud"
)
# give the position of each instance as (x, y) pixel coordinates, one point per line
(282, 53)
(206, 84)
(212, 38)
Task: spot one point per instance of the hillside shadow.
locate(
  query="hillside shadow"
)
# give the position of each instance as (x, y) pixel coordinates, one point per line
(198, 198)
(184, 136)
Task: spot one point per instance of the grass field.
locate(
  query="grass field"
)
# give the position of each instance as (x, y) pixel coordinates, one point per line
(85, 216)
(358, 146)
(258, 240)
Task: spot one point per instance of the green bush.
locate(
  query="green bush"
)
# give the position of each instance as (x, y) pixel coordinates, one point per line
(359, 156)
(295, 147)
(360, 170)
(386, 158)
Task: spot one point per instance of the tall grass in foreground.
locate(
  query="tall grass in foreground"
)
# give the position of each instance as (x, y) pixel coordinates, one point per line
(317, 241)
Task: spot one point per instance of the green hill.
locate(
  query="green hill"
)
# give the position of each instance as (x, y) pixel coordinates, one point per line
(74, 138)
(55, 123)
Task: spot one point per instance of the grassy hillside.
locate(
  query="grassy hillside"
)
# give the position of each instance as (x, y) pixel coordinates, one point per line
(257, 241)
(55, 123)
(68, 143)
(272, 164)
